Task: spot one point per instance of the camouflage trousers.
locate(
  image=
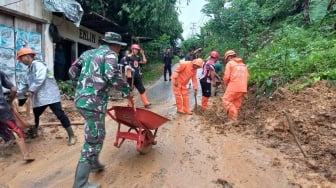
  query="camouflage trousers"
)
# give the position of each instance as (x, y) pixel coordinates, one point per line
(94, 135)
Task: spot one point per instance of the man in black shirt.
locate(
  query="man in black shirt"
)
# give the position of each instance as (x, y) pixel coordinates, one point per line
(167, 61)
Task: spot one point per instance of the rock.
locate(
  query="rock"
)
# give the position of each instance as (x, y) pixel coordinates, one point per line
(312, 164)
(313, 176)
(333, 125)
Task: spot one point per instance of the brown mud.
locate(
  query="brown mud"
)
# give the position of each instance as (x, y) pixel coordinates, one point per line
(197, 150)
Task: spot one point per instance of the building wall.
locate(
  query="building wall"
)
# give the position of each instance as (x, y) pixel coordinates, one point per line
(28, 22)
(68, 31)
(28, 8)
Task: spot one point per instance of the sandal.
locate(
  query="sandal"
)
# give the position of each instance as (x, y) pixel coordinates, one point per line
(28, 160)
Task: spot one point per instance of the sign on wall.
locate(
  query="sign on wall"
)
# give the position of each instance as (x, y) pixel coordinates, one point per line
(7, 37)
(7, 55)
(10, 43)
(33, 41)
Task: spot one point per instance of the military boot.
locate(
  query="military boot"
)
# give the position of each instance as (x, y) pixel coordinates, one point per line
(96, 166)
(82, 177)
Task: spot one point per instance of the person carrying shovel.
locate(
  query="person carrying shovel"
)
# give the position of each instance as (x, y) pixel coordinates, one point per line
(208, 78)
(235, 79)
(134, 61)
(183, 73)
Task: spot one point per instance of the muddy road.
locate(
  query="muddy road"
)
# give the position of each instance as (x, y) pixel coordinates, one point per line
(191, 151)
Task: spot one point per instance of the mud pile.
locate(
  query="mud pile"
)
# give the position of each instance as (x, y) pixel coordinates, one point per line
(313, 114)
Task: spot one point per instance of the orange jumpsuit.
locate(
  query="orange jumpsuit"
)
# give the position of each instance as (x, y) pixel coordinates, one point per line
(183, 73)
(235, 78)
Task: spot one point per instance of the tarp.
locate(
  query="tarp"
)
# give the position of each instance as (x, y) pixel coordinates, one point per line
(70, 8)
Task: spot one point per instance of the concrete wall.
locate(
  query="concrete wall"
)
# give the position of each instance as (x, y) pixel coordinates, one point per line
(28, 8)
(31, 16)
(80, 34)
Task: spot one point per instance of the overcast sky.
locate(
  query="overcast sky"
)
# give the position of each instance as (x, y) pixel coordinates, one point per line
(191, 14)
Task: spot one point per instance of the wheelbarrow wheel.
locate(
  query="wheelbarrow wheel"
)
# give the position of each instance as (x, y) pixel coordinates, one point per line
(148, 135)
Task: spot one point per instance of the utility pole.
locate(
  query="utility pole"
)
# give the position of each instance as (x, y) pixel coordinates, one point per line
(193, 28)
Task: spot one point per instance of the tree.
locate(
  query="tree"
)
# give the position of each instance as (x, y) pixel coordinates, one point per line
(149, 18)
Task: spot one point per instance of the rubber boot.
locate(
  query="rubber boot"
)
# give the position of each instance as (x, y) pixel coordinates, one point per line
(179, 104)
(186, 106)
(205, 102)
(72, 139)
(145, 100)
(82, 177)
(32, 132)
(96, 166)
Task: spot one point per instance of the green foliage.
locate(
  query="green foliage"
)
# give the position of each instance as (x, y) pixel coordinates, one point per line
(318, 9)
(155, 48)
(279, 40)
(154, 70)
(66, 88)
(145, 18)
(191, 43)
(151, 18)
(294, 53)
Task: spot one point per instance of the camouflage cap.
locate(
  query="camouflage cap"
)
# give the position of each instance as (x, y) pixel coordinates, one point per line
(113, 38)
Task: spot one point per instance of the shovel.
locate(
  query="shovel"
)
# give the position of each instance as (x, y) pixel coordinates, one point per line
(221, 81)
(132, 86)
(195, 97)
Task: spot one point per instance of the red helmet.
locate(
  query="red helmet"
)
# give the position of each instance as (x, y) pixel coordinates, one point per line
(135, 46)
(214, 54)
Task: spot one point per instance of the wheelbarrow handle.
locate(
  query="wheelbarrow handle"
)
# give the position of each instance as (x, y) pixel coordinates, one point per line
(111, 114)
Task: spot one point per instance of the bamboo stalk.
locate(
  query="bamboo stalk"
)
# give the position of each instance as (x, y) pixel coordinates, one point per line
(291, 130)
(59, 123)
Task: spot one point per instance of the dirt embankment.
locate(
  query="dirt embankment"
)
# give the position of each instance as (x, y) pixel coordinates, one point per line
(313, 114)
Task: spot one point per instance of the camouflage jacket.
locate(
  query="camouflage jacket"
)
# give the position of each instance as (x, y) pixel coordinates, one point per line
(99, 73)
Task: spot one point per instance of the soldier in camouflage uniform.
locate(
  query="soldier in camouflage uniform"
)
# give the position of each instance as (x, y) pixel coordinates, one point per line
(98, 74)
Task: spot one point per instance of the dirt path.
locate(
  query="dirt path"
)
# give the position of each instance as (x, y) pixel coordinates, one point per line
(190, 152)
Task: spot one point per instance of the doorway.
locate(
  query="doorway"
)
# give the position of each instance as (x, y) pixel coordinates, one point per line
(63, 59)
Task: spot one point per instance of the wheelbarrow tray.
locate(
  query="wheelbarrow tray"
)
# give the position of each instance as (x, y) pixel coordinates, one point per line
(138, 117)
(141, 124)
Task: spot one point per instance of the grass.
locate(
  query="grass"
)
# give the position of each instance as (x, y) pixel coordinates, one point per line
(154, 70)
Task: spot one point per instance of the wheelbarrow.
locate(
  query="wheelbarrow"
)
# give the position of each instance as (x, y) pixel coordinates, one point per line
(142, 126)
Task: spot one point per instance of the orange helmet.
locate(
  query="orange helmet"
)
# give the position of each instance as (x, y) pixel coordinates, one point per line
(198, 62)
(229, 53)
(135, 46)
(214, 54)
(24, 51)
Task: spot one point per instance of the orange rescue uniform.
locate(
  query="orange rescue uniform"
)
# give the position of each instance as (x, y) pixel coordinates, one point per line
(183, 73)
(235, 78)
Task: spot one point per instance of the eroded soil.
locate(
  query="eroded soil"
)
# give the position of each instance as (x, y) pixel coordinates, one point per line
(197, 150)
